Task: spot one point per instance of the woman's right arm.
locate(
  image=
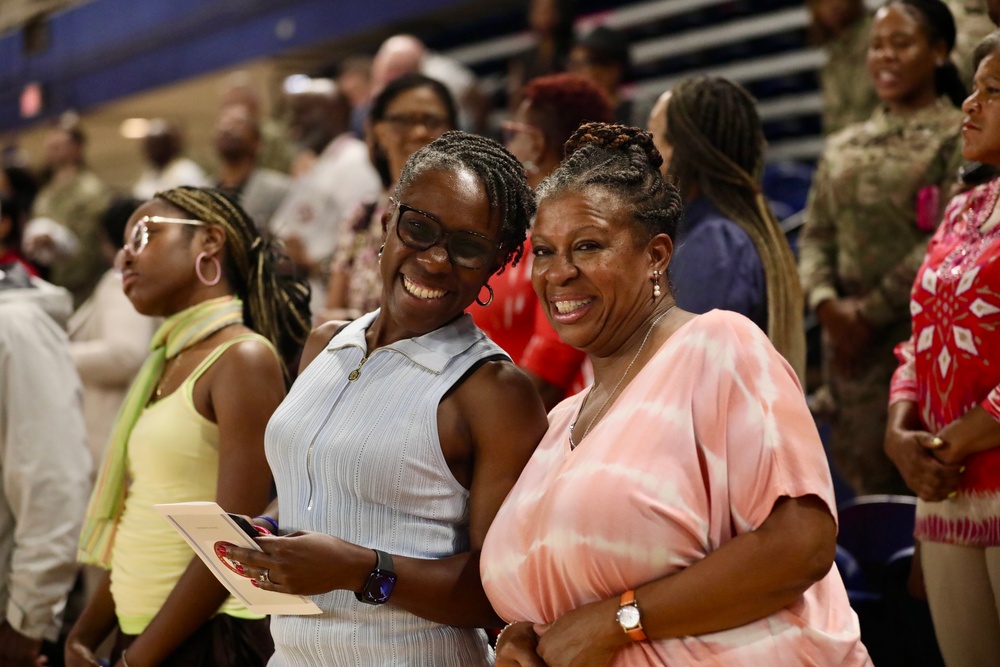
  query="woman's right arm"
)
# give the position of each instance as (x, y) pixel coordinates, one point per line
(94, 625)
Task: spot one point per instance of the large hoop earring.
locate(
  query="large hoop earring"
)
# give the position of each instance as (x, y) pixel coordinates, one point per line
(218, 269)
(489, 300)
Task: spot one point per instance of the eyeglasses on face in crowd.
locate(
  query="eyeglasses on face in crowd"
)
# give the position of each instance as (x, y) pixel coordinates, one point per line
(420, 231)
(405, 122)
(511, 128)
(139, 238)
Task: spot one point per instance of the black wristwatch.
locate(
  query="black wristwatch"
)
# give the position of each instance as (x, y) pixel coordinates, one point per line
(378, 587)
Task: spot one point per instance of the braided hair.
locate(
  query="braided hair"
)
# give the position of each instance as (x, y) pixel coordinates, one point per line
(939, 27)
(500, 173)
(718, 145)
(275, 304)
(624, 161)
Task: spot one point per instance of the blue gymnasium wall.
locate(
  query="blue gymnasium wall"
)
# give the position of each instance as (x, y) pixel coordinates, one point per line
(107, 49)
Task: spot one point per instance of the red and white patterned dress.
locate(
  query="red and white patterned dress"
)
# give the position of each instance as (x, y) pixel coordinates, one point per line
(951, 363)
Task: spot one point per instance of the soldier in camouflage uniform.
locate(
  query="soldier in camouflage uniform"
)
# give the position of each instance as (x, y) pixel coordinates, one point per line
(75, 198)
(875, 201)
(862, 243)
(842, 28)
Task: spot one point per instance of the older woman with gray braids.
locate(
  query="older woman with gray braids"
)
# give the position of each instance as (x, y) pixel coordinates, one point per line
(191, 428)
(404, 432)
(680, 512)
(731, 253)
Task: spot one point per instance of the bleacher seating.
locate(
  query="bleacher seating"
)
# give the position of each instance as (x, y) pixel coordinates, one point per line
(759, 43)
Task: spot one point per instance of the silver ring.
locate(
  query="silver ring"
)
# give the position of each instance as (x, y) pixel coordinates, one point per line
(264, 578)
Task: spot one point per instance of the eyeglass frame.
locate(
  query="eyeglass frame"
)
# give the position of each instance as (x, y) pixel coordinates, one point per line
(406, 123)
(143, 224)
(444, 235)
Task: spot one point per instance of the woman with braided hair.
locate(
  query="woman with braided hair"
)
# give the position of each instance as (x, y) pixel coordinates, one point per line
(730, 253)
(403, 433)
(681, 511)
(191, 428)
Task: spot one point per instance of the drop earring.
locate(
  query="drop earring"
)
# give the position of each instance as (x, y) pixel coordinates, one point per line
(656, 284)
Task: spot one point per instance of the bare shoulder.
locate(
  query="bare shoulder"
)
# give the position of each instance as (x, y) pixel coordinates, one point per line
(318, 340)
(501, 394)
(251, 358)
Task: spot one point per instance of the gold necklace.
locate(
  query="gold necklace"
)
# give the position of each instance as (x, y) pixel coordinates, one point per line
(163, 380)
(600, 411)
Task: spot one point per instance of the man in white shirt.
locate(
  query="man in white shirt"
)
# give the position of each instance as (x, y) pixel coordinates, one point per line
(313, 216)
(166, 168)
(44, 466)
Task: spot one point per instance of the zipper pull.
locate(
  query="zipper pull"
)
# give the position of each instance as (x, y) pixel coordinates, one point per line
(356, 373)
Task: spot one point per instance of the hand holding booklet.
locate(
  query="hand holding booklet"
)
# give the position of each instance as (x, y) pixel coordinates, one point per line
(202, 524)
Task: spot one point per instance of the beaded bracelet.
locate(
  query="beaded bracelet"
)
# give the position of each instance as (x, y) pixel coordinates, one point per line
(499, 636)
(274, 524)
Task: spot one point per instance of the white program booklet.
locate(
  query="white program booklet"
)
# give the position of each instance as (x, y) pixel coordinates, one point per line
(202, 524)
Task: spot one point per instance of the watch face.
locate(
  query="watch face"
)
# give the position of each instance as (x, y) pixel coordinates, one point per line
(628, 617)
(379, 587)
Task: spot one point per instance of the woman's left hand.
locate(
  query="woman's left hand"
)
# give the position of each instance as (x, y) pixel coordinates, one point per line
(302, 563)
(588, 636)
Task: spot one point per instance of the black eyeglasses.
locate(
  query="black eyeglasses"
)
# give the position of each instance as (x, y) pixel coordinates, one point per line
(420, 230)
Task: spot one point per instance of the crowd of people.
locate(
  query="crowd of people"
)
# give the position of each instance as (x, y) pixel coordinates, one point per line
(552, 384)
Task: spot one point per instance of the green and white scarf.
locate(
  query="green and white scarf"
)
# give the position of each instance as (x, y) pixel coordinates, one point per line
(177, 333)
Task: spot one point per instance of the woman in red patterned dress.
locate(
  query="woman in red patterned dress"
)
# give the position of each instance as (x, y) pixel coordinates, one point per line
(944, 414)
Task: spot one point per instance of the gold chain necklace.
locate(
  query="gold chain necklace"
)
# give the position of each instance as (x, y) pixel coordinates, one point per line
(169, 374)
(600, 411)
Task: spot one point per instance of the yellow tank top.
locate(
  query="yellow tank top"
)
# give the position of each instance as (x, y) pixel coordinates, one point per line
(173, 457)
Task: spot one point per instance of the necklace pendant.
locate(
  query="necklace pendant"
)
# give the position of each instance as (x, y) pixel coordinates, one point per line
(354, 375)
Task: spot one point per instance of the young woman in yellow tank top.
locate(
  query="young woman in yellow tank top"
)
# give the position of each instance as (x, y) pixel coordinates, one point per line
(192, 428)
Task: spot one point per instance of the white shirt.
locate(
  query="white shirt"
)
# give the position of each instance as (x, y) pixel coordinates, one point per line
(180, 171)
(323, 198)
(44, 463)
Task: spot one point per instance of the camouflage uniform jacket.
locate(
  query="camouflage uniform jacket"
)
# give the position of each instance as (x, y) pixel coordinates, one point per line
(848, 93)
(861, 236)
(78, 205)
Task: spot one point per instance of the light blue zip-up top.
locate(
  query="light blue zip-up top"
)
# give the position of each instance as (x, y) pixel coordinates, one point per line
(362, 460)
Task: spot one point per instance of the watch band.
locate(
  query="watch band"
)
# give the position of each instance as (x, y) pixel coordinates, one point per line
(383, 562)
(380, 582)
(635, 633)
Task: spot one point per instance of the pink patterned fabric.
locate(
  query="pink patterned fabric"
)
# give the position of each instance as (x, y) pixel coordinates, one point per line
(696, 449)
(950, 365)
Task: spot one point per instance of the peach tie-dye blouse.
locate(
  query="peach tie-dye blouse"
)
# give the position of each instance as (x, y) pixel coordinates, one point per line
(697, 448)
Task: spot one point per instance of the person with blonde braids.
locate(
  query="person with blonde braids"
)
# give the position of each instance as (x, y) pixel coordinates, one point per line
(730, 253)
(191, 428)
(680, 512)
